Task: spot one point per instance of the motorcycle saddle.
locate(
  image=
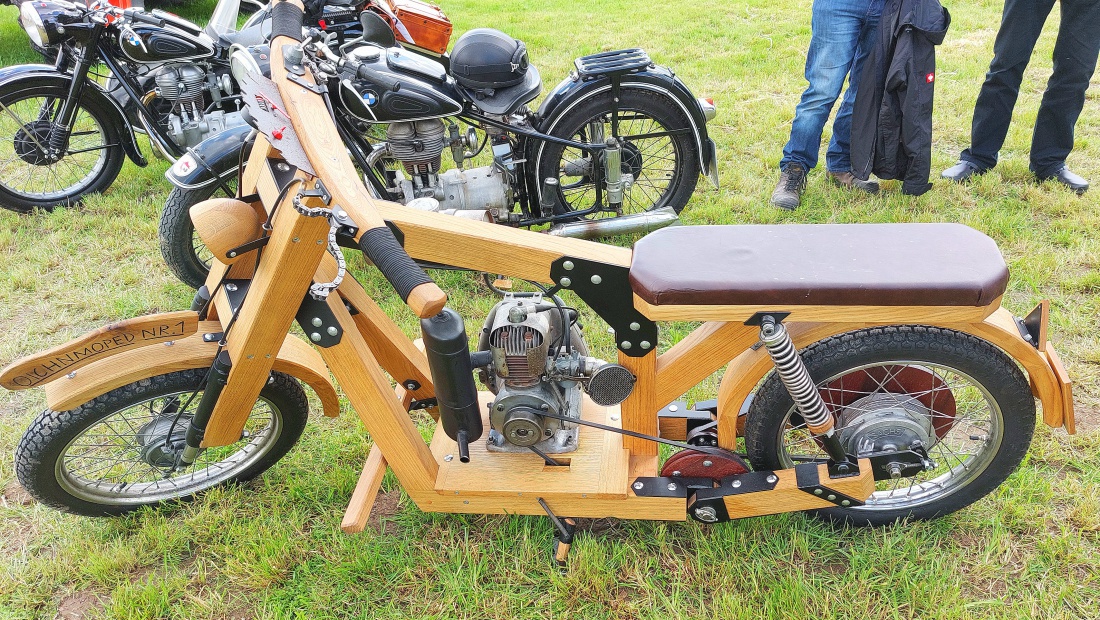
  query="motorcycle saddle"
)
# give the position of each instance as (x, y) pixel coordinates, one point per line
(819, 265)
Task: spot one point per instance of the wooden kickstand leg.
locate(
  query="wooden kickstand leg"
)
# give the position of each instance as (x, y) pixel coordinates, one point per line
(362, 499)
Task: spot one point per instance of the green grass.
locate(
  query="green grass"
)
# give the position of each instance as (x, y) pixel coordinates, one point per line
(273, 549)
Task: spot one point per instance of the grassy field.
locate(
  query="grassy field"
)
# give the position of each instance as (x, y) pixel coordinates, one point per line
(273, 549)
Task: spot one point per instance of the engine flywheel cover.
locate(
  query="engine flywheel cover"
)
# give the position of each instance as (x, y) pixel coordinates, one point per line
(693, 464)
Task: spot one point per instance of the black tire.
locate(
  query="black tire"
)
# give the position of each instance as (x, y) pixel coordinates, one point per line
(992, 374)
(39, 458)
(95, 120)
(651, 110)
(185, 254)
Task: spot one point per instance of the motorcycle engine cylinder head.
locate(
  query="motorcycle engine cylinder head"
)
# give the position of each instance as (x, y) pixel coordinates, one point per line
(182, 84)
(885, 421)
(610, 385)
(519, 342)
(418, 145)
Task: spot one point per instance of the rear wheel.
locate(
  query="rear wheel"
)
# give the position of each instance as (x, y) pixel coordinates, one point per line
(665, 168)
(965, 400)
(187, 256)
(37, 172)
(105, 457)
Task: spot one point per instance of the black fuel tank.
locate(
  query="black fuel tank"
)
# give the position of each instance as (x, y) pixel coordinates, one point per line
(149, 43)
(394, 85)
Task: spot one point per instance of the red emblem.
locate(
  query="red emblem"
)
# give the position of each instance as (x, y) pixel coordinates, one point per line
(931, 77)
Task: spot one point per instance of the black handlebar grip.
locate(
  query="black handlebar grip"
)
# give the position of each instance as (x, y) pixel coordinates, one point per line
(382, 248)
(384, 80)
(286, 21)
(139, 16)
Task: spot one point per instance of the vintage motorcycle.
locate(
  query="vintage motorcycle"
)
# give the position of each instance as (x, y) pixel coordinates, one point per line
(872, 378)
(67, 134)
(399, 113)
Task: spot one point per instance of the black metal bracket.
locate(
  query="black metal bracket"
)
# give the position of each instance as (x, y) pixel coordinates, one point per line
(317, 89)
(424, 403)
(899, 463)
(319, 323)
(1031, 326)
(808, 480)
(708, 504)
(235, 291)
(666, 486)
(758, 318)
(213, 337)
(319, 191)
(606, 289)
(247, 247)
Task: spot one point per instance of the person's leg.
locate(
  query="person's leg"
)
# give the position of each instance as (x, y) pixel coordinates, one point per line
(839, 156)
(836, 27)
(1075, 54)
(1021, 23)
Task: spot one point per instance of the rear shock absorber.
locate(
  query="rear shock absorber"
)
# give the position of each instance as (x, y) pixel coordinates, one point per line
(796, 378)
(613, 160)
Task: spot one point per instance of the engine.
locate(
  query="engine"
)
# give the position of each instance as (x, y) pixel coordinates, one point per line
(185, 88)
(539, 369)
(419, 146)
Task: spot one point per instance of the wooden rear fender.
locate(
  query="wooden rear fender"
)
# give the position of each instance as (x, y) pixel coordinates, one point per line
(1047, 376)
(295, 358)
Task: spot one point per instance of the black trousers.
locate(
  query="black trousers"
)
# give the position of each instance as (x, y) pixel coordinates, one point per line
(1075, 54)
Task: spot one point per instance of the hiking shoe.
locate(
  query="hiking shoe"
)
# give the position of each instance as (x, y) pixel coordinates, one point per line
(850, 181)
(788, 193)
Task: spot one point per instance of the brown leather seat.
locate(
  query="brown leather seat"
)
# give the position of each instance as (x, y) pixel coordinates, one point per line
(819, 264)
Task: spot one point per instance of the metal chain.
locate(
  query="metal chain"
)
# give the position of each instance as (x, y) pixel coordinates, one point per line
(320, 291)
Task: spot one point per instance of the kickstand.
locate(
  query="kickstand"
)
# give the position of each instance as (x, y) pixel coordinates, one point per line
(564, 539)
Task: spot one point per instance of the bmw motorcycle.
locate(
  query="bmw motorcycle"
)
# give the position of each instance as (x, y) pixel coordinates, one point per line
(615, 148)
(66, 129)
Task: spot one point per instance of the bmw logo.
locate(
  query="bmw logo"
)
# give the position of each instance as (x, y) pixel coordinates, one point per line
(370, 98)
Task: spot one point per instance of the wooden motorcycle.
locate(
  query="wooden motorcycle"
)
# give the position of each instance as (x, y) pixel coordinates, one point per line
(870, 369)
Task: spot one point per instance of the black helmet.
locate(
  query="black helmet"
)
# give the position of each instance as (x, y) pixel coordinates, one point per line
(487, 58)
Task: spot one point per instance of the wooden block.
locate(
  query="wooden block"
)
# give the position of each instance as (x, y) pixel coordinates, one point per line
(640, 408)
(702, 353)
(787, 497)
(111, 339)
(1066, 386)
(366, 490)
(919, 315)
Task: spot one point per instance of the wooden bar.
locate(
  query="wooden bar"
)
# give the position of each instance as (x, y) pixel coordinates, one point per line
(699, 355)
(366, 490)
(787, 497)
(920, 315)
(640, 408)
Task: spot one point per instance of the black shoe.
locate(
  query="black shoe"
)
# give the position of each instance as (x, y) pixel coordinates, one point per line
(1069, 179)
(788, 193)
(962, 171)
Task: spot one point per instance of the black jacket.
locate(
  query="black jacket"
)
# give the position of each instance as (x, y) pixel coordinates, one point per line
(892, 117)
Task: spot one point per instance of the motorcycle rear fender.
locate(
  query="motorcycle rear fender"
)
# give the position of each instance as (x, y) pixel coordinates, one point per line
(295, 358)
(572, 91)
(216, 157)
(1048, 378)
(40, 76)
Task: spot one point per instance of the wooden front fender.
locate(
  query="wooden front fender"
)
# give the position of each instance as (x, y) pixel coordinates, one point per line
(295, 358)
(1048, 381)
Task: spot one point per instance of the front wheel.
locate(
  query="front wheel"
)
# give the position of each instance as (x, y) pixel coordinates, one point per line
(186, 255)
(659, 153)
(39, 169)
(966, 402)
(107, 456)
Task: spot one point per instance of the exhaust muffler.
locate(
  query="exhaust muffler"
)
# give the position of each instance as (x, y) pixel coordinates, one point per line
(646, 222)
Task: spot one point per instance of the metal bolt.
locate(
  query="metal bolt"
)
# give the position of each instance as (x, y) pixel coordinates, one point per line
(706, 514)
(340, 213)
(818, 491)
(677, 473)
(449, 458)
(626, 344)
(638, 486)
(895, 471)
(332, 331)
(831, 497)
(673, 408)
(229, 286)
(707, 463)
(565, 282)
(232, 254)
(568, 265)
(170, 343)
(614, 417)
(317, 322)
(295, 240)
(645, 344)
(282, 167)
(71, 375)
(845, 503)
(736, 484)
(635, 326)
(672, 486)
(315, 337)
(320, 241)
(771, 478)
(596, 279)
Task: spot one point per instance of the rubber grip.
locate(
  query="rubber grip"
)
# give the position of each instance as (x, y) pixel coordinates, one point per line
(382, 248)
(286, 21)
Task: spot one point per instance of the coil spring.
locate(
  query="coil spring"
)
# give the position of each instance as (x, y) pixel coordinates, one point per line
(792, 371)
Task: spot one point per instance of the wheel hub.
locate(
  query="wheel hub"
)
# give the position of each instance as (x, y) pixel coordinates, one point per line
(28, 140)
(885, 422)
(151, 437)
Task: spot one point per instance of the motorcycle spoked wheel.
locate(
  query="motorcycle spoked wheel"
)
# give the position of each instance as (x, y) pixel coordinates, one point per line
(187, 256)
(89, 460)
(994, 417)
(29, 179)
(665, 168)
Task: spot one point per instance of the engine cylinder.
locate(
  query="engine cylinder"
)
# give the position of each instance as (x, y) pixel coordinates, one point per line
(181, 83)
(418, 145)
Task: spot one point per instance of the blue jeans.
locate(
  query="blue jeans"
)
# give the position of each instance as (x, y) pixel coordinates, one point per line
(843, 33)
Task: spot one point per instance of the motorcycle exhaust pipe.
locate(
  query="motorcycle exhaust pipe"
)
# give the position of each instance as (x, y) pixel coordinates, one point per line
(646, 222)
(448, 353)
